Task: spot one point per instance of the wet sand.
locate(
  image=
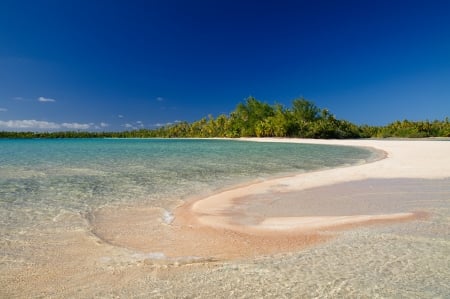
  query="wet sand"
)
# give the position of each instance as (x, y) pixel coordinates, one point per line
(222, 226)
(373, 230)
(404, 159)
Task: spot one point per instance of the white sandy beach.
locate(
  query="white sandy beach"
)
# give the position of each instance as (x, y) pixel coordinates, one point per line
(413, 159)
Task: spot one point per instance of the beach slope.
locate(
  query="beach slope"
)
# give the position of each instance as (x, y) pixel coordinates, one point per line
(407, 159)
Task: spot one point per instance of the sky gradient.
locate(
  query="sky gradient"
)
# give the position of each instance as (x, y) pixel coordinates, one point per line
(120, 65)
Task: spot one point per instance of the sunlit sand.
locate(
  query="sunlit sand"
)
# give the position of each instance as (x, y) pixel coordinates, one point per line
(404, 159)
(220, 225)
(310, 228)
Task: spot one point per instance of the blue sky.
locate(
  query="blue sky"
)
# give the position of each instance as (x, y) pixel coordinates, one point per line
(116, 65)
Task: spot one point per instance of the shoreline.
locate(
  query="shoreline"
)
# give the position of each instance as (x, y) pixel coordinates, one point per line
(250, 219)
(410, 159)
(137, 248)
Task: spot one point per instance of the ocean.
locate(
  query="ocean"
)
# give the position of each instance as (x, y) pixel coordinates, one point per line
(49, 190)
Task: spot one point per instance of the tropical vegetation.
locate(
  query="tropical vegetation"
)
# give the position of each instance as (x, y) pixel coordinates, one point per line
(253, 118)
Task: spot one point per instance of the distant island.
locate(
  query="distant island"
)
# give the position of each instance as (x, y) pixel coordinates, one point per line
(253, 118)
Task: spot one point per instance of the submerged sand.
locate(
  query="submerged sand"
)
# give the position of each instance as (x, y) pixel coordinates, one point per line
(404, 159)
(221, 226)
(245, 242)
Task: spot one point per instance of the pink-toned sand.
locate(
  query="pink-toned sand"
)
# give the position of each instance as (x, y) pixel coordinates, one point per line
(222, 226)
(428, 159)
(269, 217)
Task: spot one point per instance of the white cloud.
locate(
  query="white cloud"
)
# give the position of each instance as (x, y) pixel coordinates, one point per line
(160, 99)
(3, 109)
(46, 100)
(32, 124)
(18, 99)
(28, 124)
(134, 125)
(162, 125)
(99, 126)
(120, 116)
(75, 126)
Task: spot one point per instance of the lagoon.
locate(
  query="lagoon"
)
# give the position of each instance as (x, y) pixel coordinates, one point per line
(68, 205)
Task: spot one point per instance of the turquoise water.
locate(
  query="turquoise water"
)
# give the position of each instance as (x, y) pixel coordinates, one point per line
(42, 181)
(46, 176)
(50, 188)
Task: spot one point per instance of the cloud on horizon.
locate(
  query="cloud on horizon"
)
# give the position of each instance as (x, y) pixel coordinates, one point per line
(100, 126)
(46, 100)
(29, 124)
(134, 125)
(76, 126)
(158, 125)
(3, 109)
(37, 125)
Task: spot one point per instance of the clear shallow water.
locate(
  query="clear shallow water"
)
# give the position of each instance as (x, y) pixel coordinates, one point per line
(43, 181)
(44, 177)
(48, 186)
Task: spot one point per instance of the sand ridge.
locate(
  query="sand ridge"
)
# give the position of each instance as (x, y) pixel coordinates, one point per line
(131, 251)
(221, 226)
(404, 159)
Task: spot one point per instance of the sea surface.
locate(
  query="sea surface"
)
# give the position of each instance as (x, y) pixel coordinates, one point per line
(48, 189)
(41, 178)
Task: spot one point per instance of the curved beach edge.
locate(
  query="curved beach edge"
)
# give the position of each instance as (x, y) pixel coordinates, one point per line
(414, 159)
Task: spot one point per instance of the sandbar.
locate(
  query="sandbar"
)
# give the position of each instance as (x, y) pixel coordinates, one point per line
(411, 159)
(286, 214)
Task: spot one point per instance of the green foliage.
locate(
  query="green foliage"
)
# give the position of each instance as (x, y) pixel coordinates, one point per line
(304, 110)
(253, 118)
(420, 129)
(247, 117)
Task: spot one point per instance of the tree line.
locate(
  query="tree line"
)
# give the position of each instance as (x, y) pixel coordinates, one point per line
(253, 118)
